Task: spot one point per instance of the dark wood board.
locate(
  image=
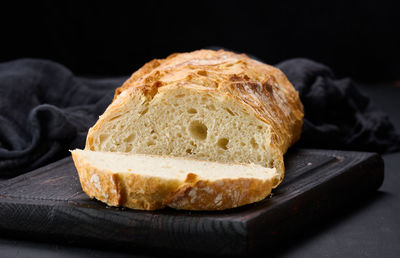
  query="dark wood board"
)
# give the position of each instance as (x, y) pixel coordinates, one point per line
(50, 201)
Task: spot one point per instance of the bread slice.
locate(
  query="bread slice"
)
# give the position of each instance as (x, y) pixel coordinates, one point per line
(207, 105)
(150, 182)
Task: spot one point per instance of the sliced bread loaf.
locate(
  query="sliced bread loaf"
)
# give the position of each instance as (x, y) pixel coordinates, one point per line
(150, 182)
(208, 105)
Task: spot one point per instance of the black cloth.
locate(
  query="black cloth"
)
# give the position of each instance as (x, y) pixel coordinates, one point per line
(45, 110)
(336, 114)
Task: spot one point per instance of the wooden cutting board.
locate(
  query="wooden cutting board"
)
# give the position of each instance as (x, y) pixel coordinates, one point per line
(50, 201)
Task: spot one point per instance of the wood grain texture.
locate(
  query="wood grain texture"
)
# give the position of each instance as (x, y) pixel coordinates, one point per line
(50, 201)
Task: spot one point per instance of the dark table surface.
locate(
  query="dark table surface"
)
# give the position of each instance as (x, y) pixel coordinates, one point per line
(370, 228)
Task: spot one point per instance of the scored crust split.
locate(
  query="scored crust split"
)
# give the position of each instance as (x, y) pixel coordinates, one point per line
(206, 105)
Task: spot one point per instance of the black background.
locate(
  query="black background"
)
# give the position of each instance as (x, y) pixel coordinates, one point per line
(356, 38)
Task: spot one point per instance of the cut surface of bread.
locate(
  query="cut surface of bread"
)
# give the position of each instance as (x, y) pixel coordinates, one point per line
(206, 105)
(151, 182)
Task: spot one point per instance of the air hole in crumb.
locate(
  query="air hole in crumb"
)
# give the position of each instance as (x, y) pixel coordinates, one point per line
(154, 137)
(130, 138)
(144, 111)
(176, 104)
(180, 96)
(228, 65)
(189, 151)
(205, 98)
(222, 143)
(271, 163)
(253, 143)
(211, 107)
(179, 135)
(230, 111)
(152, 131)
(198, 130)
(103, 137)
(259, 157)
(128, 148)
(150, 143)
(192, 111)
(242, 143)
(259, 127)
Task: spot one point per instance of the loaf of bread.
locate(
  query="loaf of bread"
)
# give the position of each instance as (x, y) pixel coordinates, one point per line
(205, 105)
(149, 182)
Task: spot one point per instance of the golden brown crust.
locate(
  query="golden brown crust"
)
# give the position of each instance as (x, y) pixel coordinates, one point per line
(150, 193)
(219, 195)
